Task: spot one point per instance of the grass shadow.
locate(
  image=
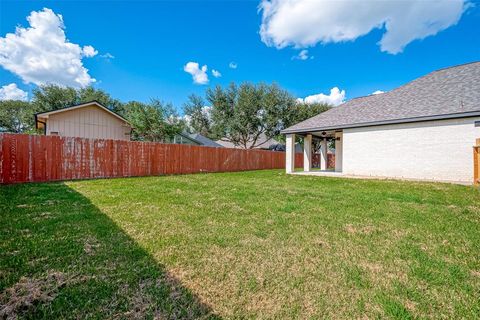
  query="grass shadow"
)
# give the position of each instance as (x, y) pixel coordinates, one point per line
(61, 257)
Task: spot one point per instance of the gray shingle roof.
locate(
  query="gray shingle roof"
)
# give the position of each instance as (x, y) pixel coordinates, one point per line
(262, 142)
(204, 140)
(445, 93)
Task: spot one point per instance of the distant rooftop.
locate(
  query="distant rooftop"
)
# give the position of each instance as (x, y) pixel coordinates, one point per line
(262, 143)
(204, 140)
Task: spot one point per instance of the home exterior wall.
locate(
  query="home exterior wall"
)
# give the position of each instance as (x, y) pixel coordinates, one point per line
(88, 122)
(431, 150)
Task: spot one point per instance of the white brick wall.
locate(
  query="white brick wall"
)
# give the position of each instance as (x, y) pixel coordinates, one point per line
(432, 150)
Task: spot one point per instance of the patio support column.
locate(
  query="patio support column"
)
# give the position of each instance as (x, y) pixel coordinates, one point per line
(323, 154)
(338, 151)
(307, 152)
(290, 153)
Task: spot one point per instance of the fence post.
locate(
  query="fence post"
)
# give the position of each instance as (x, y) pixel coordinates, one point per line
(475, 162)
(475, 165)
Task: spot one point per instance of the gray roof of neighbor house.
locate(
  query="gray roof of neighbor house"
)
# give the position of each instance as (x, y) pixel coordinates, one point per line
(204, 140)
(261, 143)
(452, 92)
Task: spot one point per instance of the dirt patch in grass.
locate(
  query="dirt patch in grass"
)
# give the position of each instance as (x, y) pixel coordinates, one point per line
(90, 246)
(140, 301)
(372, 267)
(143, 301)
(475, 273)
(350, 228)
(29, 292)
(319, 242)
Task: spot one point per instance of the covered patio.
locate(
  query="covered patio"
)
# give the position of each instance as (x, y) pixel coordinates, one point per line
(310, 141)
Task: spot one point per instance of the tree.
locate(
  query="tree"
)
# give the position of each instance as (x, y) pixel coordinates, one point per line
(53, 97)
(242, 114)
(198, 116)
(16, 116)
(90, 94)
(304, 111)
(154, 121)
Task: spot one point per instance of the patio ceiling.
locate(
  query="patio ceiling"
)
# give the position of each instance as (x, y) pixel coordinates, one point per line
(323, 134)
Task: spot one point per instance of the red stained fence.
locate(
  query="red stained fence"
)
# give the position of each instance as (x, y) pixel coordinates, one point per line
(316, 161)
(30, 158)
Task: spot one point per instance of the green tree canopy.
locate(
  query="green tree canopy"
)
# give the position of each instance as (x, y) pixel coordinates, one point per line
(242, 114)
(198, 116)
(90, 93)
(16, 116)
(303, 111)
(53, 97)
(154, 121)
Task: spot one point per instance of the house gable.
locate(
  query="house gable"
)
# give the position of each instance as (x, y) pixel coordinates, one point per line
(89, 120)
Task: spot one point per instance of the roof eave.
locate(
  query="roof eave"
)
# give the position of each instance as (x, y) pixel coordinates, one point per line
(187, 136)
(94, 102)
(386, 122)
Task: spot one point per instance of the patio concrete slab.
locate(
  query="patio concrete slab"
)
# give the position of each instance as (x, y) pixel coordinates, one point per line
(331, 173)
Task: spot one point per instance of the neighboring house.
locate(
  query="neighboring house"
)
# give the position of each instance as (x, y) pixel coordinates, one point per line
(184, 138)
(262, 143)
(282, 147)
(204, 140)
(195, 139)
(86, 120)
(424, 129)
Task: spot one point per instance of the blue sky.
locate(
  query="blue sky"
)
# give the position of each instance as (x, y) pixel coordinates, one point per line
(151, 43)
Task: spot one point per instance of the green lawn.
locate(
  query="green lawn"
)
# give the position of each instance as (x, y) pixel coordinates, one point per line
(239, 245)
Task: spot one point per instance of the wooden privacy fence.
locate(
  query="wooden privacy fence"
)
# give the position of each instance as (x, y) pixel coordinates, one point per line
(476, 163)
(33, 158)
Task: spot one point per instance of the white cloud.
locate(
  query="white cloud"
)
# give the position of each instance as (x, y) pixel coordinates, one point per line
(12, 92)
(302, 55)
(108, 55)
(335, 98)
(89, 51)
(216, 73)
(199, 75)
(42, 54)
(232, 65)
(378, 92)
(304, 23)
